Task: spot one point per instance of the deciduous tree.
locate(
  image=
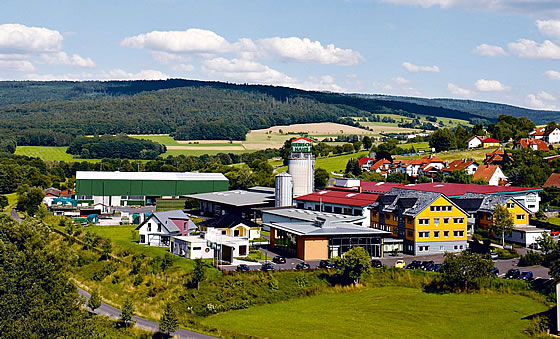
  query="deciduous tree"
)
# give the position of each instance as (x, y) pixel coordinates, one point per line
(464, 269)
(502, 222)
(353, 265)
(94, 301)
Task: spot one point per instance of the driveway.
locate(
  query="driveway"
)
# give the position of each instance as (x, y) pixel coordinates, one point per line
(141, 323)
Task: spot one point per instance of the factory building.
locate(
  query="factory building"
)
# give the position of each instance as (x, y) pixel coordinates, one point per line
(143, 188)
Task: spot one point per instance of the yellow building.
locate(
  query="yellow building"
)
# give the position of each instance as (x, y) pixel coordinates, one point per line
(233, 226)
(428, 222)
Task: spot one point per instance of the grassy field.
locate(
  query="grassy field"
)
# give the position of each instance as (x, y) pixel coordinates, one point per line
(51, 153)
(447, 122)
(386, 312)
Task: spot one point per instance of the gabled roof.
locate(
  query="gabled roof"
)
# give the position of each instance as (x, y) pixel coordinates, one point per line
(378, 164)
(456, 190)
(340, 198)
(302, 138)
(166, 219)
(458, 165)
(378, 187)
(542, 131)
(227, 221)
(487, 202)
(529, 143)
(490, 140)
(364, 161)
(485, 172)
(475, 137)
(553, 181)
(408, 202)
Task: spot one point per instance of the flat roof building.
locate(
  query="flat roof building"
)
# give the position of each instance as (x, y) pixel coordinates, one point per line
(238, 202)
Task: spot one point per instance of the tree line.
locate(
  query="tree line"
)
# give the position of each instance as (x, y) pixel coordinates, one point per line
(118, 147)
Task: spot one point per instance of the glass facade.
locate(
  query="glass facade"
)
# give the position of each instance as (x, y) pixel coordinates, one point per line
(340, 245)
(286, 242)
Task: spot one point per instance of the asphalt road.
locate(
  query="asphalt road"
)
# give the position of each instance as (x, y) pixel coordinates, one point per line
(141, 323)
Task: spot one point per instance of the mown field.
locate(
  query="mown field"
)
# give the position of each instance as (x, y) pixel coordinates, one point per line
(386, 312)
(51, 153)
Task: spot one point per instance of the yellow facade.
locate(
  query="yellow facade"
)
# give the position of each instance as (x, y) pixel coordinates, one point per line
(443, 222)
(520, 216)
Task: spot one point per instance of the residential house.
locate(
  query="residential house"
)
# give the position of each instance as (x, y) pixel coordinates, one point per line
(490, 142)
(475, 141)
(428, 222)
(492, 174)
(534, 144)
(233, 226)
(498, 157)
(382, 167)
(480, 208)
(223, 247)
(469, 166)
(158, 228)
(548, 135)
(553, 181)
(366, 163)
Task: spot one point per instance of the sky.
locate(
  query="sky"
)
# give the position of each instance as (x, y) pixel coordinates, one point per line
(505, 51)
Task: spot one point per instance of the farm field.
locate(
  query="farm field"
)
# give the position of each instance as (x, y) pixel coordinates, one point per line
(447, 122)
(51, 153)
(386, 312)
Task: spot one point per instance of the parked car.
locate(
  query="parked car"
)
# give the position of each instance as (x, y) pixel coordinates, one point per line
(534, 246)
(400, 263)
(242, 268)
(554, 233)
(326, 264)
(279, 259)
(527, 276)
(303, 266)
(376, 264)
(425, 264)
(494, 255)
(513, 274)
(434, 268)
(267, 267)
(495, 271)
(414, 265)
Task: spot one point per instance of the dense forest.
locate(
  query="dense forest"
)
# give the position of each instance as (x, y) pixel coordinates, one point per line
(487, 110)
(118, 147)
(186, 109)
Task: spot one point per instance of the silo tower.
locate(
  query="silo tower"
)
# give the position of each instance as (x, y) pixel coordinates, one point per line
(284, 193)
(301, 166)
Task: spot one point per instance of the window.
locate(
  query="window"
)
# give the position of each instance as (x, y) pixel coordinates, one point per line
(197, 248)
(224, 232)
(159, 227)
(423, 221)
(373, 214)
(329, 209)
(409, 221)
(357, 212)
(409, 234)
(446, 220)
(521, 217)
(317, 207)
(142, 239)
(423, 248)
(236, 233)
(300, 205)
(149, 227)
(510, 205)
(531, 206)
(446, 234)
(423, 234)
(243, 250)
(337, 210)
(458, 220)
(455, 247)
(442, 248)
(438, 208)
(395, 218)
(458, 233)
(432, 208)
(436, 221)
(436, 234)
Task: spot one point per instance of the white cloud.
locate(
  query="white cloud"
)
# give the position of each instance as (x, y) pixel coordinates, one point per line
(115, 74)
(61, 58)
(305, 50)
(16, 38)
(489, 50)
(552, 75)
(456, 90)
(16, 66)
(167, 58)
(549, 27)
(245, 70)
(401, 80)
(484, 85)
(531, 49)
(414, 68)
(541, 100)
(192, 40)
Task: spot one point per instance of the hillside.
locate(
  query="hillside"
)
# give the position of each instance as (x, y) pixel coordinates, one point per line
(186, 109)
(485, 109)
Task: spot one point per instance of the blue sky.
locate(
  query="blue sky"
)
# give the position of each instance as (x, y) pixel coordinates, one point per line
(505, 51)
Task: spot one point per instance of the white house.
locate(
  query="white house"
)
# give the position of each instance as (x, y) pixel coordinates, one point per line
(223, 247)
(474, 141)
(233, 226)
(158, 228)
(492, 174)
(470, 166)
(550, 136)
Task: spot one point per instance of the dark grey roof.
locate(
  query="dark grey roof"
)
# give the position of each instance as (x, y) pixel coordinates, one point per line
(487, 201)
(235, 197)
(409, 202)
(310, 215)
(227, 221)
(469, 205)
(165, 219)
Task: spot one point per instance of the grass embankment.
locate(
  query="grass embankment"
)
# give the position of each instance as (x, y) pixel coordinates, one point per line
(386, 312)
(12, 201)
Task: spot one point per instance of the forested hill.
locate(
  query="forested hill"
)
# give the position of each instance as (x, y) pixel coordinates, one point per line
(187, 109)
(485, 109)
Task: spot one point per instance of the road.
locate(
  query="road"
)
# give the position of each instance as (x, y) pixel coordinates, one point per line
(141, 323)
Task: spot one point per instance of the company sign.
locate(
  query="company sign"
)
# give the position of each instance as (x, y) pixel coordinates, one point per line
(301, 147)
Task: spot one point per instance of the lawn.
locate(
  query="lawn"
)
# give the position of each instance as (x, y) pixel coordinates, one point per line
(386, 312)
(337, 163)
(163, 139)
(12, 201)
(49, 153)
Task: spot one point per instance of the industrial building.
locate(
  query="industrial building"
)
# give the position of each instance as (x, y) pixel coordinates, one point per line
(301, 166)
(143, 188)
(239, 202)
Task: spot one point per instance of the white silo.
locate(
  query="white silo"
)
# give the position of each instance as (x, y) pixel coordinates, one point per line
(301, 166)
(284, 192)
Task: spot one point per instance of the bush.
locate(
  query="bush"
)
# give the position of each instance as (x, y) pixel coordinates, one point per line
(506, 254)
(116, 279)
(138, 280)
(531, 259)
(104, 271)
